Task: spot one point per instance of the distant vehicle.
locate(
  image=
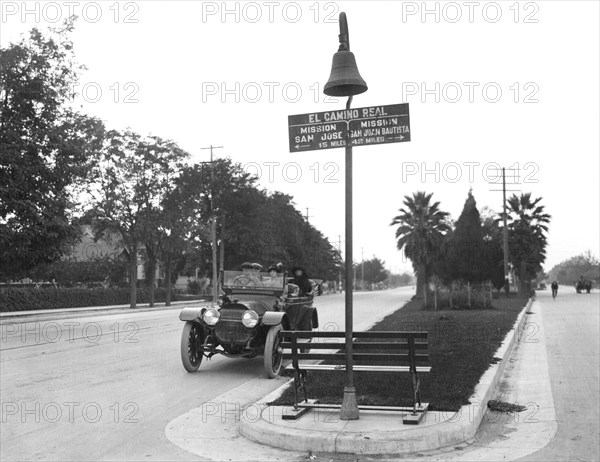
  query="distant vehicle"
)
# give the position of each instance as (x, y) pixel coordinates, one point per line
(248, 322)
(583, 284)
(542, 286)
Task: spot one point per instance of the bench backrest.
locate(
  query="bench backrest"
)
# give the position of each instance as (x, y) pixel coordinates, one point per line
(378, 347)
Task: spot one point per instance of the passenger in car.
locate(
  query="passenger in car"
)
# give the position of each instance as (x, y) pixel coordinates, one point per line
(302, 280)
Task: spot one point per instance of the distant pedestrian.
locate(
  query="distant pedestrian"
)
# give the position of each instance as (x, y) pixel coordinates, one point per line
(554, 289)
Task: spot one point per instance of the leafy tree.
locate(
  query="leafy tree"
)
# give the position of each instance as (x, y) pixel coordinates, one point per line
(47, 149)
(493, 250)
(253, 224)
(569, 271)
(133, 178)
(465, 246)
(527, 228)
(421, 227)
(184, 216)
(374, 270)
(396, 280)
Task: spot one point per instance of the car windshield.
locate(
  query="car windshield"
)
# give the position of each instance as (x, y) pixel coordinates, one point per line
(252, 279)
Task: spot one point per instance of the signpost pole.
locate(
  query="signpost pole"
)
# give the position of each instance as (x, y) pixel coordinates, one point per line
(349, 410)
(327, 130)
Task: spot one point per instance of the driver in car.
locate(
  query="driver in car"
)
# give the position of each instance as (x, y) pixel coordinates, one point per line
(251, 271)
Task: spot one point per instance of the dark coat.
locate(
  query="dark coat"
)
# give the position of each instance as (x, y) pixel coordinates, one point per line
(303, 282)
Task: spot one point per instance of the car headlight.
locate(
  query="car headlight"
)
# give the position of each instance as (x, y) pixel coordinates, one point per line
(211, 316)
(250, 318)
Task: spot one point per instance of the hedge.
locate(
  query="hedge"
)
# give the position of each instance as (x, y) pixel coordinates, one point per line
(18, 299)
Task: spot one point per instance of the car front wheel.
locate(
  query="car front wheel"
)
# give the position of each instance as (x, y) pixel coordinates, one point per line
(192, 340)
(273, 352)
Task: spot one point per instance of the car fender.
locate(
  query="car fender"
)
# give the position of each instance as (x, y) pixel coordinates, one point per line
(315, 318)
(272, 318)
(191, 314)
(310, 318)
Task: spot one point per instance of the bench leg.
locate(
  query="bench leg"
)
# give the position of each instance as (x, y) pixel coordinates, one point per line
(418, 389)
(296, 385)
(303, 381)
(297, 411)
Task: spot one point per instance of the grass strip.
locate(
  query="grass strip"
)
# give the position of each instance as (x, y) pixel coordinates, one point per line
(462, 344)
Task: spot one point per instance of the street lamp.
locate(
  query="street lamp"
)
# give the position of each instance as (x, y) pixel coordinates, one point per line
(346, 81)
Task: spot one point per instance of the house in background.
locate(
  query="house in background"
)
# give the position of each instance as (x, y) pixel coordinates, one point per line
(110, 245)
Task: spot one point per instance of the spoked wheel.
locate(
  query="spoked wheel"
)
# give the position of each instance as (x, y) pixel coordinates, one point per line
(273, 352)
(192, 339)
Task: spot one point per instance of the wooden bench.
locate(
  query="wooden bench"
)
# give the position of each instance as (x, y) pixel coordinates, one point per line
(394, 351)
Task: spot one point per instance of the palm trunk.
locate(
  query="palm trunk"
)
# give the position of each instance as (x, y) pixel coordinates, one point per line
(133, 275)
(421, 282)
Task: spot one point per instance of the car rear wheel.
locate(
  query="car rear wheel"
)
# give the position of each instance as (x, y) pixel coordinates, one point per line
(192, 339)
(273, 352)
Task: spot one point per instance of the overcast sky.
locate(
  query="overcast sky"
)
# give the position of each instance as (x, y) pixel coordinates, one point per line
(489, 84)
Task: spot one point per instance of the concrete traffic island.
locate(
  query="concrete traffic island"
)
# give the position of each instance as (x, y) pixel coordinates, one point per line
(379, 433)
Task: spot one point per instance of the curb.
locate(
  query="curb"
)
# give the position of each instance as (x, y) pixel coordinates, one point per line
(142, 307)
(450, 431)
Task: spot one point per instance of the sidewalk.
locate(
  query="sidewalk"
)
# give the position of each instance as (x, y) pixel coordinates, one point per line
(140, 307)
(523, 366)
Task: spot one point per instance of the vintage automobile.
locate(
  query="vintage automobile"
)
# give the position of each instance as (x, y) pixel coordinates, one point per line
(583, 284)
(247, 322)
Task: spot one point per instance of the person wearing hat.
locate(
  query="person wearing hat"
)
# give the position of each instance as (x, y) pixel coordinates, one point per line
(275, 270)
(252, 272)
(302, 280)
(275, 275)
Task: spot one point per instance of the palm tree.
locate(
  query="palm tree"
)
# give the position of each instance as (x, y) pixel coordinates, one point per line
(527, 228)
(421, 227)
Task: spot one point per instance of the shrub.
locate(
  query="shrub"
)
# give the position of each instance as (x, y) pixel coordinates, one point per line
(194, 286)
(69, 272)
(17, 299)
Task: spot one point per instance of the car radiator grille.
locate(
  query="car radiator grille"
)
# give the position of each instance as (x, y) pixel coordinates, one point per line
(229, 331)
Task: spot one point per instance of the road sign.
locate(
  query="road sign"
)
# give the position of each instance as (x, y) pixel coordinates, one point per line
(363, 126)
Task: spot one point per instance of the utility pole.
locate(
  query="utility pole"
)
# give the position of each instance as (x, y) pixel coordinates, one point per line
(505, 233)
(362, 268)
(505, 230)
(340, 250)
(307, 215)
(215, 289)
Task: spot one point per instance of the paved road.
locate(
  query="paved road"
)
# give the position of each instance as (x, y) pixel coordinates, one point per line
(104, 387)
(571, 325)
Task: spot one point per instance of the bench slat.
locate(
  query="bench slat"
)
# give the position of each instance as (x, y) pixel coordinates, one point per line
(405, 358)
(374, 334)
(357, 345)
(360, 368)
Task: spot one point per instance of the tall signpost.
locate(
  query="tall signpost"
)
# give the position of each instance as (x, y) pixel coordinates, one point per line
(348, 128)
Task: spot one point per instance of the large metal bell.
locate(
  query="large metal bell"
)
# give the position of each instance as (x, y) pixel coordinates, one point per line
(344, 79)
